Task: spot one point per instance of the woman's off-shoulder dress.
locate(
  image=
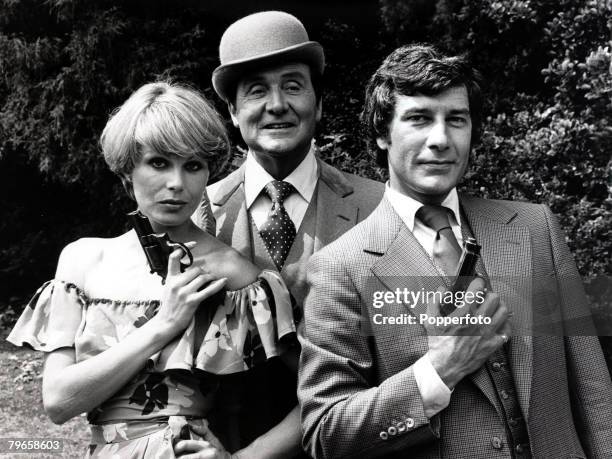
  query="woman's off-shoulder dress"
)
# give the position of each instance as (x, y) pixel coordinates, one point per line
(230, 333)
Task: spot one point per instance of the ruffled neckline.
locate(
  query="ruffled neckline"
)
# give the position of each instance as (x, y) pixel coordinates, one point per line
(242, 327)
(86, 299)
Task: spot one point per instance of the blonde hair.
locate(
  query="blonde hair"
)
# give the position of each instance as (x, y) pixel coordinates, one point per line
(168, 118)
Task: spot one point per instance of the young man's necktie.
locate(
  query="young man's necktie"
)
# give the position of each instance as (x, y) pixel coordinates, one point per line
(278, 231)
(446, 250)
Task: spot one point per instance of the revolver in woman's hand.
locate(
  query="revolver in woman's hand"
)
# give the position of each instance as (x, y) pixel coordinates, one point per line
(157, 247)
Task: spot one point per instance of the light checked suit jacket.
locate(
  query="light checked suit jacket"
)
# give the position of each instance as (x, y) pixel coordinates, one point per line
(354, 386)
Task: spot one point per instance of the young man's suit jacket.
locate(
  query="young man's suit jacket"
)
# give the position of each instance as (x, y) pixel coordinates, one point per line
(354, 386)
(339, 202)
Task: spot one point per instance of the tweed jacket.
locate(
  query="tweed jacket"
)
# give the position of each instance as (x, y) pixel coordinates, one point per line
(342, 200)
(357, 389)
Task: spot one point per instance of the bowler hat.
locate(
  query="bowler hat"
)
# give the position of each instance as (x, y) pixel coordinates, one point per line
(261, 39)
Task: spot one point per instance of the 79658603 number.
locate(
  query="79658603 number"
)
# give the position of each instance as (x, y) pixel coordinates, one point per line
(31, 445)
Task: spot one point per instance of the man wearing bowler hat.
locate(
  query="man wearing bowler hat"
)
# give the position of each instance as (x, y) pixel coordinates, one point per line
(282, 205)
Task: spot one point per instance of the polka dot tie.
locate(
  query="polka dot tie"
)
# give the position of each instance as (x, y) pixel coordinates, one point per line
(446, 250)
(278, 231)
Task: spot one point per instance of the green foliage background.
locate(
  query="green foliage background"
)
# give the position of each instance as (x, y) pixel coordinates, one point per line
(65, 64)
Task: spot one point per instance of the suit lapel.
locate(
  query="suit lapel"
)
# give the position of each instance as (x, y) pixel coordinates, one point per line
(229, 208)
(335, 215)
(403, 264)
(506, 256)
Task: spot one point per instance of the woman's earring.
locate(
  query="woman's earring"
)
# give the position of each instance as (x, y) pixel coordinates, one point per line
(204, 216)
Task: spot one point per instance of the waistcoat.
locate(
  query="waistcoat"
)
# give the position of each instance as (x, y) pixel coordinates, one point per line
(501, 384)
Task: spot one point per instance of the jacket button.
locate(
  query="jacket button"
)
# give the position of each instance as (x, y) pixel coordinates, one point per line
(497, 442)
(496, 366)
(392, 431)
(409, 423)
(401, 427)
(504, 394)
(520, 449)
(384, 435)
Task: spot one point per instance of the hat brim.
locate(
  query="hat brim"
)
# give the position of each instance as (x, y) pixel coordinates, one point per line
(225, 77)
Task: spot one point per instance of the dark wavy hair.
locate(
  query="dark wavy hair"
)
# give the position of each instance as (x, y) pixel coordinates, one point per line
(411, 69)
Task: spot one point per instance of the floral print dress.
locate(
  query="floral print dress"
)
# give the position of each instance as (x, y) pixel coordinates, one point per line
(230, 333)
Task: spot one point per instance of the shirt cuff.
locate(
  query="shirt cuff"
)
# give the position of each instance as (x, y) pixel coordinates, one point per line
(434, 393)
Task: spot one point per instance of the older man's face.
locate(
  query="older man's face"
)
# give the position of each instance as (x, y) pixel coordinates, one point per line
(276, 110)
(428, 143)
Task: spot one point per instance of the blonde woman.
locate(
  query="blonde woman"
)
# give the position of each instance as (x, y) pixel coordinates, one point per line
(139, 355)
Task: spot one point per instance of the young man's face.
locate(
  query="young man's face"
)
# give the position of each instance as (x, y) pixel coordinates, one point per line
(428, 143)
(276, 110)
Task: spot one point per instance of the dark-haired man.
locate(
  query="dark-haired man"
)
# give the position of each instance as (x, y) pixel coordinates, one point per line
(414, 382)
(281, 206)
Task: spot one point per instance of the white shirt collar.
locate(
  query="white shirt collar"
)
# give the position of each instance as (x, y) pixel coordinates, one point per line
(407, 207)
(303, 178)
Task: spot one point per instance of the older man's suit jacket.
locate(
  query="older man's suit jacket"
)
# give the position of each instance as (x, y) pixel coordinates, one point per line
(342, 200)
(339, 202)
(355, 384)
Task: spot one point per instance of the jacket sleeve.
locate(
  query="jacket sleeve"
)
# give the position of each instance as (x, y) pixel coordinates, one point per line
(346, 410)
(589, 379)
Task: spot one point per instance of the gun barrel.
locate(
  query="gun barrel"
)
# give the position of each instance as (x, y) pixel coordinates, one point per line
(140, 223)
(153, 245)
(466, 271)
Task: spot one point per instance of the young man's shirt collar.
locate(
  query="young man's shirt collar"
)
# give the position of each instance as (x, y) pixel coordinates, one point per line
(407, 207)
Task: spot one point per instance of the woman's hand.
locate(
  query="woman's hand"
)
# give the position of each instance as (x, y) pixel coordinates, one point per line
(208, 448)
(70, 387)
(181, 295)
(282, 441)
